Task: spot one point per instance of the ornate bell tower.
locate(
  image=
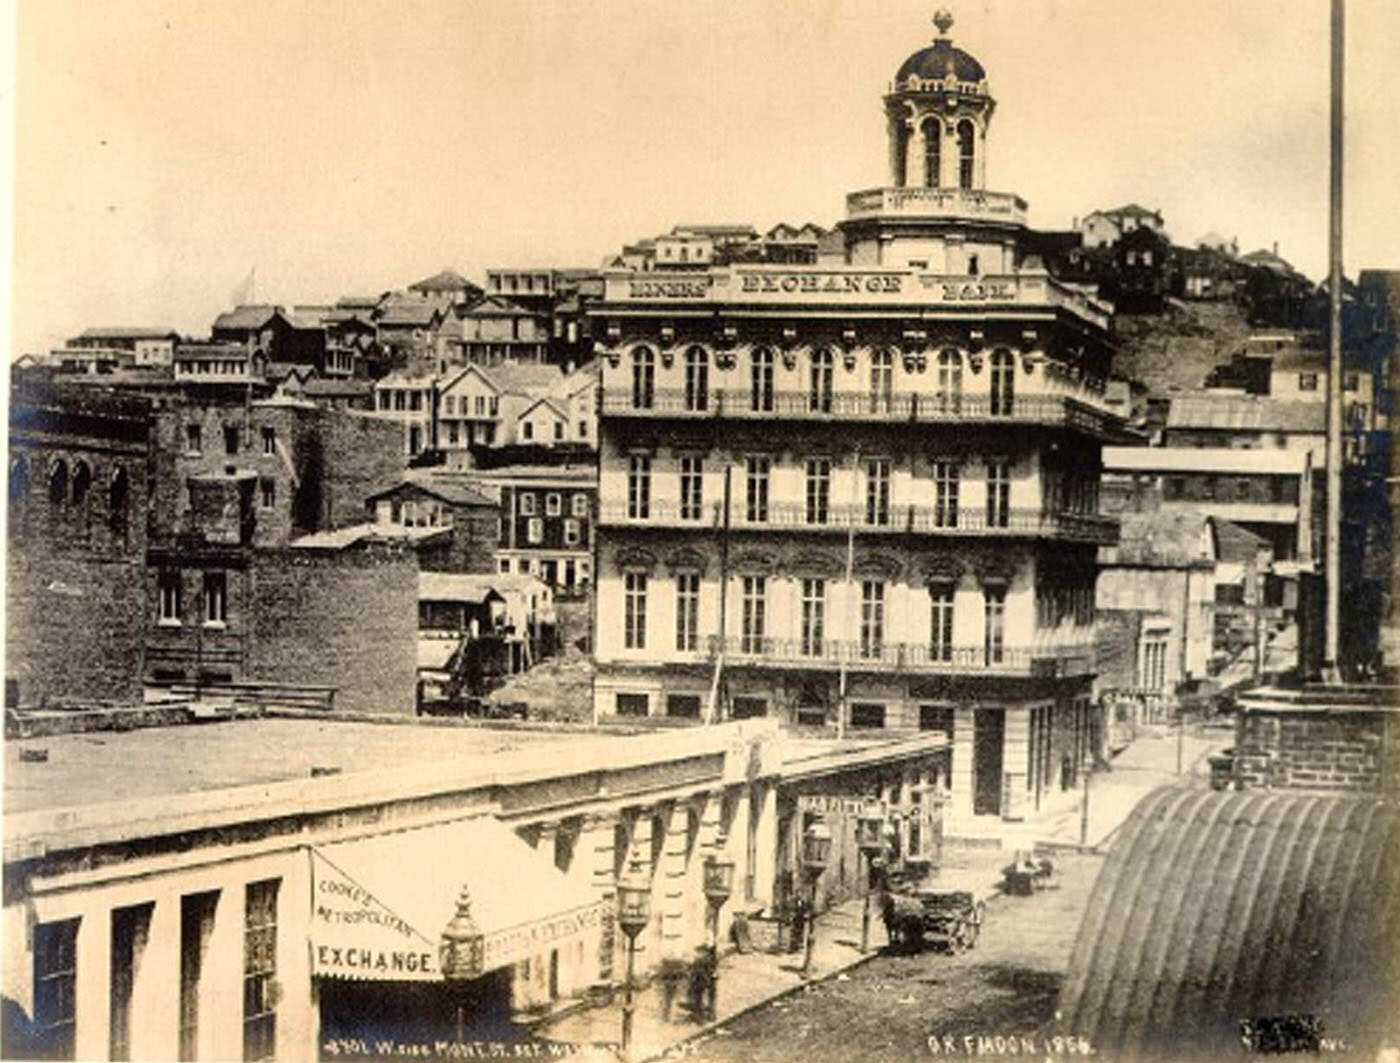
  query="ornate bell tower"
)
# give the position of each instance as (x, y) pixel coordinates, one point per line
(938, 109)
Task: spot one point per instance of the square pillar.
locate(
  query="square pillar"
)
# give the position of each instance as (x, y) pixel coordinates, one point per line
(1016, 802)
(92, 985)
(961, 775)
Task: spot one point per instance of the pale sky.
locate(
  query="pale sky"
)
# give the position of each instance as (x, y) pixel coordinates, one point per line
(164, 149)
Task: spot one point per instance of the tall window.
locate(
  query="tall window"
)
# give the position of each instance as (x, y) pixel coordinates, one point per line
(756, 470)
(639, 487)
(687, 610)
(19, 495)
(949, 381)
(230, 439)
(967, 139)
(761, 381)
(269, 440)
(58, 483)
(168, 591)
(872, 618)
(994, 619)
(819, 389)
(1003, 382)
(881, 380)
(194, 438)
(933, 144)
(818, 490)
(55, 982)
(260, 970)
(82, 483)
(941, 629)
(877, 491)
(697, 379)
(751, 629)
(998, 493)
(945, 494)
(643, 378)
(813, 616)
(634, 610)
(692, 486)
(130, 931)
(215, 597)
(196, 924)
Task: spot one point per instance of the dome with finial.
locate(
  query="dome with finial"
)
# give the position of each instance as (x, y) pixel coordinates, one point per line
(940, 60)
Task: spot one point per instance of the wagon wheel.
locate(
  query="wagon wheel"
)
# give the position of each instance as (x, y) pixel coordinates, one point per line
(972, 930)
(955, 941)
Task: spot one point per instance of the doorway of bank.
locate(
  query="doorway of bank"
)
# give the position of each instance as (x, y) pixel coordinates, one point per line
(988, 732)
(372, 1020)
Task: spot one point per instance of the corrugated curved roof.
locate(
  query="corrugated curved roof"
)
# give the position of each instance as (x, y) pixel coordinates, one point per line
(1218, 907)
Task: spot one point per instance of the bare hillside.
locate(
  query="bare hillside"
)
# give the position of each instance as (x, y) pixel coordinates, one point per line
(1180, 347)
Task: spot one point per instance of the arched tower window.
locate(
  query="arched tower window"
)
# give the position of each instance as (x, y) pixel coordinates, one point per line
(933, 148)
(58, 482)
(881, 379)
(1003, 382)
(697, 379)
(819, 391)
(761, 379)
(643, 378)
(949, 380)
(19, 494)
(899, 150)
(118, 503)
(967, 149)
(82, 480)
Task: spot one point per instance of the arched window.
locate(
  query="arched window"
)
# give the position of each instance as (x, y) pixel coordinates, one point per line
(761, 380)
(118, 502)
(967, 139)
(881, 379)
(82, 480)
(819, 391)
(697, 379)
(1003, 382)
(643, 378)
(58, 482)
(899, 150)
(949, 381)
(19, 494)
(933, 147)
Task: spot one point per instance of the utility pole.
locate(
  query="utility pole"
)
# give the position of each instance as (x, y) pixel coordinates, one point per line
(712, 711)
(1334, 359)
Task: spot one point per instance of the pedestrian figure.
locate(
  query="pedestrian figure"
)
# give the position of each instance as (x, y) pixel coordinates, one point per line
(798, 937)
(702, 997)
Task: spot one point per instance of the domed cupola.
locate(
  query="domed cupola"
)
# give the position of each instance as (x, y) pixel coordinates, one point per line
(938, 108)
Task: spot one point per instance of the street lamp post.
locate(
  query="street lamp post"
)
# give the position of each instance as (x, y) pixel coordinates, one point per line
(870, 825)
(633, 914)
(816, 854)
(719, 884)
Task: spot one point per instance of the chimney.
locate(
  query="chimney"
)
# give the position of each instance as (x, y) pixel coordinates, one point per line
(1275, 248)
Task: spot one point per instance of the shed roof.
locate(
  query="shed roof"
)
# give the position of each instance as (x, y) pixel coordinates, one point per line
(1245, 412)
(1216, 907)
(455, 587)
(247, 317)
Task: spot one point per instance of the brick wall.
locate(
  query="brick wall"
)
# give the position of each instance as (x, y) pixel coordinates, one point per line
(74, 603)
(347, 619)
(362, 454)
(1336, 749)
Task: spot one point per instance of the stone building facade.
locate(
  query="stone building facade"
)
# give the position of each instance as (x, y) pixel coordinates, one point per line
(865, 496)
(76, 544)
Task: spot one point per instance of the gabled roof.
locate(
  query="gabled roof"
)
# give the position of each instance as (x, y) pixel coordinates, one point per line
(526, 378)
(409, 312)
(359, 302)
(279, 371)
(448, 280)
(248, 317)
(456, 587)
(560, 414)
(492, 306)
(1234, 544)
(456, 492)
(1129, 210)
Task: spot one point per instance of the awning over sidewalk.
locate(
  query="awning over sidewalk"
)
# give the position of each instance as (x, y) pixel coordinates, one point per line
(380, 904)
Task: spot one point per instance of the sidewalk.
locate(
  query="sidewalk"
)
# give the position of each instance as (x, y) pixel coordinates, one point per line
(751, 979)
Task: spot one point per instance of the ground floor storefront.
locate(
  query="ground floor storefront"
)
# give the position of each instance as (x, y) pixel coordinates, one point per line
(1018, 745)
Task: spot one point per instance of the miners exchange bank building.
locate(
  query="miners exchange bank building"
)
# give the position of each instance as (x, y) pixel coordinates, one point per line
(863, 493)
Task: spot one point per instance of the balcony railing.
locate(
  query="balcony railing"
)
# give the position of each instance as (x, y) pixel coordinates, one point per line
(908, 407)
(894, 520)
(1037, 661)
(961, 203)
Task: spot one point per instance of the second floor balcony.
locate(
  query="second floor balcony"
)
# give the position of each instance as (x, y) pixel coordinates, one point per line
(1049, 661)
(931, 408)
(921, 520)
(962, 204)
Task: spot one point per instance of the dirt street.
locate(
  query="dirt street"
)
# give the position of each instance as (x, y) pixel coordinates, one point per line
(889, 1009)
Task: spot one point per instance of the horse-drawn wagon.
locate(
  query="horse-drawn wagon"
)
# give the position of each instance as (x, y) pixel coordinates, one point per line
(950, 918)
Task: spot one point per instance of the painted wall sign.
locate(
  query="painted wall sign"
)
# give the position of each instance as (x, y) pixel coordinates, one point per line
(353, 935)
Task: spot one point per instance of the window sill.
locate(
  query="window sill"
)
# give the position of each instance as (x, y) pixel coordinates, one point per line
(214, 625)
(166, 622)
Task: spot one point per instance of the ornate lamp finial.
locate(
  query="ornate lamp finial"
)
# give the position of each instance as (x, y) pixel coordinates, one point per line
(943, 21)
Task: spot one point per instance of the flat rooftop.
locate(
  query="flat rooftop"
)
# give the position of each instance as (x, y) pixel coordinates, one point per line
(101, 766)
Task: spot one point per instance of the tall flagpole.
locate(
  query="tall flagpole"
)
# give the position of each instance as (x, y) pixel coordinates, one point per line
(1334, 358)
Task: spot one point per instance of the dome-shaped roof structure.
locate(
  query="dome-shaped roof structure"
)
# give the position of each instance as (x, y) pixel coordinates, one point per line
(940, 59)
